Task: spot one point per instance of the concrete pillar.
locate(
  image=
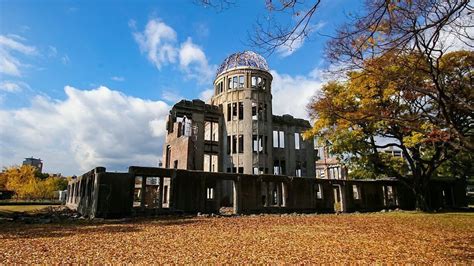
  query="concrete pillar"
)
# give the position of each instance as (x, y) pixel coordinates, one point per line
(343, 197)
(278, 189)
(95, 193)
(384, 196)
(268, 197)
(143, 192)
(217, 194)
(222, 148)
(202, 191)
(198, 147)
(237, 196)
(283, 194)
(172, 201)
(160, 193)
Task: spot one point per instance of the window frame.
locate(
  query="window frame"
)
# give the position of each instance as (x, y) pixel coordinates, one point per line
(356, 195)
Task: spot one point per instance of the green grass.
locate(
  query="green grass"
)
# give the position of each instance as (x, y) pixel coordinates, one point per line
(9, 209)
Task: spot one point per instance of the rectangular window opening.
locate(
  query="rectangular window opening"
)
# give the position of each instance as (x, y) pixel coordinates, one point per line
(275, 139)
(356, 192)
(254, 111)
(241, 81)
(281, 139)
(318, 188)
(241, 110)
(241, 143)
(297, 141)
(234, 144)
(210, 193)
(234, 110)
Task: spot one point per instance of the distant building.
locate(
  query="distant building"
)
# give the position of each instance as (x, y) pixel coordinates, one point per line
(329, 166)
(395, 152)
(34, 162)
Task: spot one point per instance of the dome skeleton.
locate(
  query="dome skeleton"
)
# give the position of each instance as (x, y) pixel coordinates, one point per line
(242, 59)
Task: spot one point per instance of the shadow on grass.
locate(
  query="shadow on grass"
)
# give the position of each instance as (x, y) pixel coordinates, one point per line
(28, 231)
(64, 228)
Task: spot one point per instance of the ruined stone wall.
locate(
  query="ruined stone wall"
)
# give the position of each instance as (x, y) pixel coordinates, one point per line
(111, 194)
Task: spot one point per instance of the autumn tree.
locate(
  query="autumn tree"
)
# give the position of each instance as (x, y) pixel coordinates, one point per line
(387, 100)
(3, 181)
(404, 82)
(21, 179)
(429, 28)
(27, 184)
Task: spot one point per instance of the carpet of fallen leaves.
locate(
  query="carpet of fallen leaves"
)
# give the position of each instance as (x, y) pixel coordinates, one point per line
(364, 238)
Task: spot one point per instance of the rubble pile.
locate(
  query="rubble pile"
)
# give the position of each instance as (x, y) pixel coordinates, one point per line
(47, 215)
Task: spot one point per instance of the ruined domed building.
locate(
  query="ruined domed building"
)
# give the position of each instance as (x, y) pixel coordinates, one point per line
(237, 131)
(233, 152)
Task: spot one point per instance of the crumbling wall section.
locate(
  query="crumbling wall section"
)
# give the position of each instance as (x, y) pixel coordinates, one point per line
(98, 193)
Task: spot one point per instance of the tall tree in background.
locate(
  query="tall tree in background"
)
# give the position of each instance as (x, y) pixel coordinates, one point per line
(429, 28)
(21, 180)
(26, 184)
(404, 82)
(3, 181)
(383, 101)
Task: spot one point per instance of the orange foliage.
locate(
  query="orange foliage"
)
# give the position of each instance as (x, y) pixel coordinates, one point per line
(361, 238)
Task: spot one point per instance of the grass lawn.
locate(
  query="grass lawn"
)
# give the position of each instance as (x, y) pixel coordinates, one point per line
(9, 209)
(403, 237)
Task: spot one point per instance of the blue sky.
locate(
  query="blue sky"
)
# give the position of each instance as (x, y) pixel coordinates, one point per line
(70, 67)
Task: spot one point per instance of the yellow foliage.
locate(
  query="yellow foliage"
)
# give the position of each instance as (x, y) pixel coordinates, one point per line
(414, 139)
(3, 181)
(24, 182)
(375, 238)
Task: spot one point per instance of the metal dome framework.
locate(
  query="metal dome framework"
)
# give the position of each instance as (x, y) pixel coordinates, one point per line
(243, 59)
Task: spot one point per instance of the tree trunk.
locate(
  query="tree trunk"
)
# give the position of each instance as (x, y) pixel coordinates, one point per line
(422, 194)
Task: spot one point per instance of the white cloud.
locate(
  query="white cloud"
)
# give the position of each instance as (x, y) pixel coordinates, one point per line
(17, 37)
(116, 78)
(291, 94)
(190, 53)
(291, 46)
(87, 129)
(206, 95)
(457, 39)
(9, 63)
(193, 61)
(13, 86)
(171, 96)
(10, 44)
(158, 42)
